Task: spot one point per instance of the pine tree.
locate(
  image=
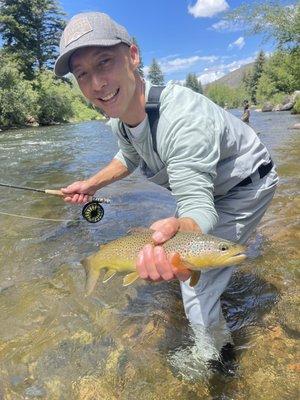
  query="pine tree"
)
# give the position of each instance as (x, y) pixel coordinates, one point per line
(155, 74)
(30, 30)
(257, 72)
(141, 65)
(193, 83)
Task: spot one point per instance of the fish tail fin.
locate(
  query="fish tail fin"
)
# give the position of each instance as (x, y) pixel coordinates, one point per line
(92, 274)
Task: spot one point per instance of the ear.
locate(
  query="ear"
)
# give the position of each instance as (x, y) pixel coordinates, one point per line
(134, 55)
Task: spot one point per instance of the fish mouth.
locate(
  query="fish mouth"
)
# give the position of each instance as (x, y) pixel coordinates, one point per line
(236, 259)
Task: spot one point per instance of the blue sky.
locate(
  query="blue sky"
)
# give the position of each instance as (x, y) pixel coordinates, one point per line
(182, 35)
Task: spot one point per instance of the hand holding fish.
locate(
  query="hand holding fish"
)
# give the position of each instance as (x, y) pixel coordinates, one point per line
(153, 263)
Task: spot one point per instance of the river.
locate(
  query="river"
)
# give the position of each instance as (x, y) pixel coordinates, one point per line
(118, 343)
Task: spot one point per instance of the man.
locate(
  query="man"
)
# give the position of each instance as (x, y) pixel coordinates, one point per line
(217, 169)
(246, 113)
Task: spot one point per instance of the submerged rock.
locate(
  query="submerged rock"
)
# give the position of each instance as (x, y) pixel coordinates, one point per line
(295, 126)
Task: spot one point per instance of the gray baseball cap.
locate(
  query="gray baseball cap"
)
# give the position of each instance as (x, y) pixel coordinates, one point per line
(88, 29)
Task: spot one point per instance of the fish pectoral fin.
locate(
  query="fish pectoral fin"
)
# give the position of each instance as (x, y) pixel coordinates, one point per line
(130, 278)
(179, 262)
(195, 278)
(108, 275)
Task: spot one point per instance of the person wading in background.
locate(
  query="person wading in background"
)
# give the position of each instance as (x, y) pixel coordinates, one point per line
(246, 114)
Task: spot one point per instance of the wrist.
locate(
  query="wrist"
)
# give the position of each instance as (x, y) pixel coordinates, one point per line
(188, 224)
(93, 183)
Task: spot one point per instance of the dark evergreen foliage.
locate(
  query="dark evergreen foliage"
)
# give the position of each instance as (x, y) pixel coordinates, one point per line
(155, 74)
(30, 30)
(193, 83)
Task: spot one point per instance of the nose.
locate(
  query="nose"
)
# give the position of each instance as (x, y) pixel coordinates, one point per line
(98, 82)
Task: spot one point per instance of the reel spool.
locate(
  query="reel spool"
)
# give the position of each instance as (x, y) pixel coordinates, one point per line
(93, 211)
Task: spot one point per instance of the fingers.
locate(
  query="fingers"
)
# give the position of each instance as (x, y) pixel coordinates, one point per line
(163, 265)
(77, 198)
(164, 229)
(146, 264)
(153, 264)
(77, 192)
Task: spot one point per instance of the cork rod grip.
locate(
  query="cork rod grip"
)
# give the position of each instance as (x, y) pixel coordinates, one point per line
(60, 193)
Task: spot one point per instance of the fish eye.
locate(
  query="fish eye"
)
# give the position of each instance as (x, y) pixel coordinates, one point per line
(223, 246)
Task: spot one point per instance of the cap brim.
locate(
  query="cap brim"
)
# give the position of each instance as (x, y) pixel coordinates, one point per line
(62, 64)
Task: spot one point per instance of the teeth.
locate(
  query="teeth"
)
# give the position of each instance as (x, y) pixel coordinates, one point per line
(109, 96)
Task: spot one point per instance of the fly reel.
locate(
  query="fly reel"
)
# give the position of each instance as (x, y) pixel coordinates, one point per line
(93, 211)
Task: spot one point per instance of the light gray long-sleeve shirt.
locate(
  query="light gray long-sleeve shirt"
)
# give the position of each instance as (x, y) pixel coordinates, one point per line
(202, 151)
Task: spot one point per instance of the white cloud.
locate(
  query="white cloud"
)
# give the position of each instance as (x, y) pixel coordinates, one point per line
(210, 76)
(168, 65)
(209, 71)
(239, 43)
(207, 8)
(228, 26)
(217, 71)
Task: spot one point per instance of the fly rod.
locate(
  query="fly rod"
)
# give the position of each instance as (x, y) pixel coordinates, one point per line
(92, 211)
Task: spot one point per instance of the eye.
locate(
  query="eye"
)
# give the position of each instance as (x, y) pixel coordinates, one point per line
(223, 246)
(81, 75)
(104, 62)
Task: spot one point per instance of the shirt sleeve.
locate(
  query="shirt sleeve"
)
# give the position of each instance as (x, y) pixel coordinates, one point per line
(128, 156)
(191, 150)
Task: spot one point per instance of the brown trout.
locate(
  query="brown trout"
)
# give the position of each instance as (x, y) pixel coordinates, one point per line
(194, 251)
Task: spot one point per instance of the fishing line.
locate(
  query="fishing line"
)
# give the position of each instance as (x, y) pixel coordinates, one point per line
(37, 218)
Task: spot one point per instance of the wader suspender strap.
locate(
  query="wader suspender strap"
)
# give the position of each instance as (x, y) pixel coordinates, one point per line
(152, 109)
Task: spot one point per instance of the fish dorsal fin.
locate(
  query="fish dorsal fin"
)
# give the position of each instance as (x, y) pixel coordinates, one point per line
(130, 278)
(195, 278)
(108, 275)
(139, 230)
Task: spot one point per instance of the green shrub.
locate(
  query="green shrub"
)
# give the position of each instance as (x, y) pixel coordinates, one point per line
(54, 99)
(296, 108)
(17, 99)
(280, 75)
(224, 95)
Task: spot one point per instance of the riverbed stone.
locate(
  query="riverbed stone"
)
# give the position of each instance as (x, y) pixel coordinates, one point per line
(287, 106)
(295, 126)
(267, 107)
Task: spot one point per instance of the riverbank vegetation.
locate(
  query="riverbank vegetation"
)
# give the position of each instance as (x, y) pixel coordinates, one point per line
(273, 78)
(30, 93)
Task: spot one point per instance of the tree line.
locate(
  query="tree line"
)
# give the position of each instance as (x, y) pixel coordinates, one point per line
(30, 32)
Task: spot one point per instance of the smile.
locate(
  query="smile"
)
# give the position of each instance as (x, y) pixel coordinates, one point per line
(109, 96)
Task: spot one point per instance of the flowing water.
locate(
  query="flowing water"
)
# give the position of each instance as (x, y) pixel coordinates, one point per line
(117, 344)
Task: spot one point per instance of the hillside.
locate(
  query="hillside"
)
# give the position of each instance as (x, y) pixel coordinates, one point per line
(234, 78)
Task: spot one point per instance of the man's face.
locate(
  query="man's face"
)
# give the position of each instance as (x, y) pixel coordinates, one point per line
(106, 77)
